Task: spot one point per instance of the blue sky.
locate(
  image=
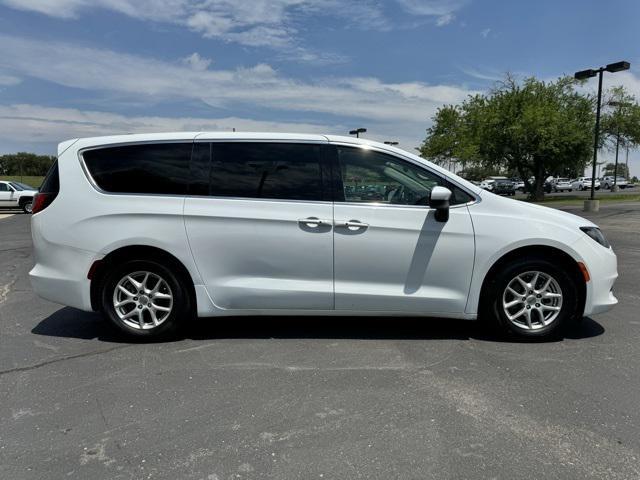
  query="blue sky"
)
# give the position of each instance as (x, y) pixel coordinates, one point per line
(90, 67)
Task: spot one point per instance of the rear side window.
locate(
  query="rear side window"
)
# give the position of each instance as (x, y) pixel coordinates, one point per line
(161, 168)
(51, 182)
(266, 170)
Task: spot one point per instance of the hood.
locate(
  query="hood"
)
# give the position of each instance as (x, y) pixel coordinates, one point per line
(531, 211)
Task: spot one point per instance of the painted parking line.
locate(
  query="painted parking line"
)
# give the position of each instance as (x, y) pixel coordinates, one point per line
(6, 215)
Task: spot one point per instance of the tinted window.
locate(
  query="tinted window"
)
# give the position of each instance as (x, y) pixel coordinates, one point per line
(200, 169)
(161, 168)
(373, 177)
(4, 187)
(51, 182)
(266, 170)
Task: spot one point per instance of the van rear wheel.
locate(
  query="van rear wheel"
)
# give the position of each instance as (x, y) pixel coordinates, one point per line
(532, 297)
(145, 299)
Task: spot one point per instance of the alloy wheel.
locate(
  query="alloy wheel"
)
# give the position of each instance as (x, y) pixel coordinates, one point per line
(142, 300)
(532, 300)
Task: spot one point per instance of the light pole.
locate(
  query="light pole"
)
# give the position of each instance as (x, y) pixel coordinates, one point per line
(390, 143)
(592, 205)
(615, 188)
(357, 132)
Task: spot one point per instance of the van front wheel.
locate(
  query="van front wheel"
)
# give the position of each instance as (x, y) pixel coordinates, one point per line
(533, 297)
(145, 299)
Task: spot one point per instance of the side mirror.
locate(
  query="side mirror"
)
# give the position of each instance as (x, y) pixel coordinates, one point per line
(439, 199)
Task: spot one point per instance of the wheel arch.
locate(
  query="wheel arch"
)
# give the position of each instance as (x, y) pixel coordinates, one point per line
(23, 200)
(101, 267)
(541, 251)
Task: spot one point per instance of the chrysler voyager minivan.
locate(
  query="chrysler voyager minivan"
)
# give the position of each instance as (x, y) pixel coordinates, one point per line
(155, 229)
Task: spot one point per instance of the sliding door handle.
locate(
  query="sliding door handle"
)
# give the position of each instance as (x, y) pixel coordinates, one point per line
(352, 224)
(314, 222)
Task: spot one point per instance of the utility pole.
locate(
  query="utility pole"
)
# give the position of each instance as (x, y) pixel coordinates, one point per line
(592, 205)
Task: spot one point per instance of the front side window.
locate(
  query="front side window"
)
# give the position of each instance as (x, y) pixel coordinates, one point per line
(161, 168)
(4, 187)
(266, 170)
(374, 177)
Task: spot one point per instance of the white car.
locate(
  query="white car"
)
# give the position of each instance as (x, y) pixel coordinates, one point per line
(607, 182)
(562, 185)
(16, 195)
(487, 184)
(584, 183)
(154, 229)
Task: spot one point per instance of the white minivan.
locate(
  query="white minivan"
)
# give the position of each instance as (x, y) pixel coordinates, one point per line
(155, 229)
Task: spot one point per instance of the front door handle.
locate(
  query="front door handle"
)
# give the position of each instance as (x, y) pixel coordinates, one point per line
(352, 224)
(314, 222)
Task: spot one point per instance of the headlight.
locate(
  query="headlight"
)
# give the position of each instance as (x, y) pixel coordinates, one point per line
(597, 235)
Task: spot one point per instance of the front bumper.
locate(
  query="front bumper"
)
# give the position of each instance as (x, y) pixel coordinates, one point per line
(602, 265)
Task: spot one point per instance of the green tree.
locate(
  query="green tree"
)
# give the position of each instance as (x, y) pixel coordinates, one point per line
(532, 127)
(620, 124)
(23, 163)
(609, 168)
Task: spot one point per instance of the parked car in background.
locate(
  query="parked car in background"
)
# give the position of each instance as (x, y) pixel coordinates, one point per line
(504, 187)
(17, 195)
(173, 226)
(607, 182)
(487, 184)
(584, 183)
(561, 185)
(518, 184)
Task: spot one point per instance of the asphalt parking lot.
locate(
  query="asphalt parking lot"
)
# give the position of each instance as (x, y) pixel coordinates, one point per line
(302, 398)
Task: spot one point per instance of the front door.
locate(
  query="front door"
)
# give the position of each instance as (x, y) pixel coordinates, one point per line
(6, 195)
(391, 255)
(259, 222)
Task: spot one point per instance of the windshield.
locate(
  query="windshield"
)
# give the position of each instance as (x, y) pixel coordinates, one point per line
(21, 186)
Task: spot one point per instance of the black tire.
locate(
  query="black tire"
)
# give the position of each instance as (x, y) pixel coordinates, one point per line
(27, 205)
(182, 309)
(568, 310)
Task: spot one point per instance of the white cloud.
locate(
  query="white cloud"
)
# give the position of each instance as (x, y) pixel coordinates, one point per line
(196, 62)
(38, 128)
(143, 79)
(24, 123)
(445, 19)
(442, 9)
(8, 80)
(485, 33)
(627, 79)
(256, 23)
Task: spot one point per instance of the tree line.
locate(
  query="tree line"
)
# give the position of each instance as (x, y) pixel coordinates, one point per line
(23, 163)
(531, 129)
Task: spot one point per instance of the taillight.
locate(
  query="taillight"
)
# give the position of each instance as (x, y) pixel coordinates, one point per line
(42, 201)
